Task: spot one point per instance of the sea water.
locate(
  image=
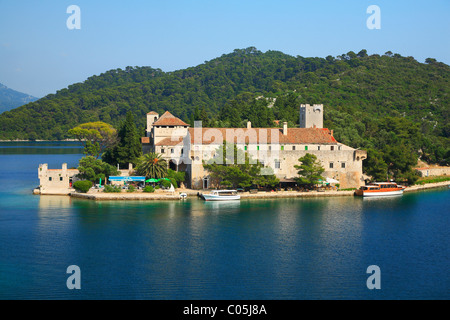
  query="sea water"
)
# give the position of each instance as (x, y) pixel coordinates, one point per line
(311, 248)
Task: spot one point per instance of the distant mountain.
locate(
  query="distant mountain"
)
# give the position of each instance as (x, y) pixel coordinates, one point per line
(10, 99)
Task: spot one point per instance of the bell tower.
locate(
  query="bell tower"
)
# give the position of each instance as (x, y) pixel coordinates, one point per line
(152, 116)
(311, 116)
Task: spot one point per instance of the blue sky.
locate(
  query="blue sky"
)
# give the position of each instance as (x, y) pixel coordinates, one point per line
(40, 55)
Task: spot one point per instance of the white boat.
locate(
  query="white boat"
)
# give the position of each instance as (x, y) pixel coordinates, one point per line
(380, 189)
(183, 195)
(221, 195)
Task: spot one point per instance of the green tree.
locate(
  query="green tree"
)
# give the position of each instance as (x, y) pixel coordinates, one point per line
(93, 169)
(310, 170)
(152, 165)
(95, 137)
(176, 176)
(400, 160)
(129, 148)
(375, 166)
(234, 167)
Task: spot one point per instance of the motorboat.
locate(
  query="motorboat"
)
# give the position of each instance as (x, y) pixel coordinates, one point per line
(221, 195)
(380, 189)
(183, 195)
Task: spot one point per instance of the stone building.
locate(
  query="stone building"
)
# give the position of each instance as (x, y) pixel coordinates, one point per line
(185, 149)
(60, 181)
(55, 181)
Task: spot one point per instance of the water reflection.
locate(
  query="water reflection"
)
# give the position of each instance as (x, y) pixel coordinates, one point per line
(382, 198)
(47, 202)
(221, 207)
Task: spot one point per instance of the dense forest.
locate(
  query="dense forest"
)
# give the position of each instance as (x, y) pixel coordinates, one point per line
(387, 104)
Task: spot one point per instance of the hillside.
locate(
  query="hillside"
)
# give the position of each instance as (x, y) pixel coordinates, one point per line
(10, 99)
(369, 100)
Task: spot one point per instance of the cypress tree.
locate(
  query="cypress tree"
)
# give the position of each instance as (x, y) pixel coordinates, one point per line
(129, 149)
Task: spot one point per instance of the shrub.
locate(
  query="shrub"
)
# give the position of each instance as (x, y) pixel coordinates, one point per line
(165, 183)
(174, 183)
(131, 189)
(149, 189)
(82, 186)
(111, 189)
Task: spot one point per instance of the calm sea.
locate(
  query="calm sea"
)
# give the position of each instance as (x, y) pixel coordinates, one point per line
(252, 249)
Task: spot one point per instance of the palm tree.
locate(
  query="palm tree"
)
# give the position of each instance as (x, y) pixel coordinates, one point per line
(152, 165)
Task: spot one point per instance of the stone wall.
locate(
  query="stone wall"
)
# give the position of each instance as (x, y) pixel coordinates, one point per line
(430, 172)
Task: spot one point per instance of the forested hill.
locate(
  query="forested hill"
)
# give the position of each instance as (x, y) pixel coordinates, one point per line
(364, 97)
(10, 99)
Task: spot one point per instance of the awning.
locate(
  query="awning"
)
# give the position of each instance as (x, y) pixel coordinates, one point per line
(156, 180)
(126, 178)
(328, 180)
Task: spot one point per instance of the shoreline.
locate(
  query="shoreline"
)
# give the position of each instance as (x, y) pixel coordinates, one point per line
(100, 196)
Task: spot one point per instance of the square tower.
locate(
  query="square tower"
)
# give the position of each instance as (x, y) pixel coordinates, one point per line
(152, 117)
(311, 116)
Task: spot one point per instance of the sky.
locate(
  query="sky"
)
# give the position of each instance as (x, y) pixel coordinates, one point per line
(39, 54)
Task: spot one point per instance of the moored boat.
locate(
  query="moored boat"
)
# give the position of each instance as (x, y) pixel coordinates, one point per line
(380, 189)
(221, 195)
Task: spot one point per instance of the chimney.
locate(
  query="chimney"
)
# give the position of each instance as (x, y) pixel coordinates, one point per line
(249, 125)
(331, 132)
(284, 128)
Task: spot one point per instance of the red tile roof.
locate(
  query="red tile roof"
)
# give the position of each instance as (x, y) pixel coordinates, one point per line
(153, 112)
(168, 119)
(255, 136)
(170, 141)
(266, 135)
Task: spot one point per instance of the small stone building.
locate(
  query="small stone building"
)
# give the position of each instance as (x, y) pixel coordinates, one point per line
(56, 181)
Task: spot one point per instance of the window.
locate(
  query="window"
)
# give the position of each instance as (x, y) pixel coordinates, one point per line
(293, 148)
(331, 165)
(49, 178)
(60, 178)
(162, 150)
(277, 164)
(282, 147)
(182, 150)
(332, 148)
(343, 165)
(306, 148)
(340, 148)
(318, 147)
(257, 147)
(245, 148)
(270, 147)
(172, 150)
